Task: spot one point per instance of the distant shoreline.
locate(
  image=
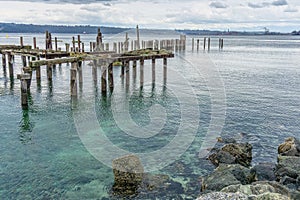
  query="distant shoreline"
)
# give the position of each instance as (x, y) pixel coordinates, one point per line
(87, 29)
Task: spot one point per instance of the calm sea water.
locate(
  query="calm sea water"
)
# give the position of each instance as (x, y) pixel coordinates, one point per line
(43, 156)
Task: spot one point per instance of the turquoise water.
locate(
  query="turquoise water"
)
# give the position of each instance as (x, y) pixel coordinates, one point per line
(44, 157)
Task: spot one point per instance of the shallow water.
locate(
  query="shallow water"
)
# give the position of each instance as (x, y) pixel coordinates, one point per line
(43, 154)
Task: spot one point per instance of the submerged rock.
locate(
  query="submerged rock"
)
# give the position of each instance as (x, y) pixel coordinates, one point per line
(233, 153)
(130, 181)
(226, 175)
(128, 175)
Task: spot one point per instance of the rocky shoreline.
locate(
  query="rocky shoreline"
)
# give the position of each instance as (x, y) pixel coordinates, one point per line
(235, 178)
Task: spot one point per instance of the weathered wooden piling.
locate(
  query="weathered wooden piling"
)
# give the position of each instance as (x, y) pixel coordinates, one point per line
(193, 41)
(138, 36)
(115, 47)
(38, 74)
(21, 42)
(127, 73)
(110, 76)
(82, 46)
(208, 44)
(123, 69)
(119, 47)
(198, 43)
(10, 65)
(28, 70)
(49, 72)
(48, 40)
(99, 39)
(153, 71)
(91, 46)
(67, 47)
(23, 58)
(4, 61)
(103, 79)
(79, 43)
(73, 79)
(165, 62)
(156, 45)
(79, 69)
(55, 43)
(94, 71)
(24, 90)
(141, 73)
(222, 43)
(126, 43)
(204, 43)
(73, 43)
(24, 62)
(34, 43)
(176, 44)
(134, 64)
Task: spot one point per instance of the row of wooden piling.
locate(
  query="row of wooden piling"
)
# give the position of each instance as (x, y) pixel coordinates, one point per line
(107, 74)
(206, 44)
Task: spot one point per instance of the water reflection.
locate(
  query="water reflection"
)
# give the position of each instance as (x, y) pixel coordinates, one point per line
(50, 88)
(4, 72)
(25, 128)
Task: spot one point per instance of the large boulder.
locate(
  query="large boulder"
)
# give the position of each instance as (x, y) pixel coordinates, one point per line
(264, 172)
(260, 190)
(291, 147)
(233, 153)
(226, 175)
(222, 196)
(288, 171)
(128, 175)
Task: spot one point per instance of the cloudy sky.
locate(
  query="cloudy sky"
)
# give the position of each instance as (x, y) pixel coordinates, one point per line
(277, 15)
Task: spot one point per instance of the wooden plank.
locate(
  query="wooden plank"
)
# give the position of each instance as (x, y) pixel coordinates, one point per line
(3, 47)
(38, 63)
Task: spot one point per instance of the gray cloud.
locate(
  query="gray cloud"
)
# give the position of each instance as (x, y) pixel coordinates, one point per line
(217, 4)
(262, 5)
(291, 10)
(106, 4)
(279, 3)
(266, 4)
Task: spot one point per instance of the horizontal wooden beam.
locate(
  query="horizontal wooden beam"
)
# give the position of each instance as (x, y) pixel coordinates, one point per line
(55, 61)
(12, 47)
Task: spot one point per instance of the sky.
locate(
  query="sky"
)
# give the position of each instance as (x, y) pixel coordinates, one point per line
(241, 15)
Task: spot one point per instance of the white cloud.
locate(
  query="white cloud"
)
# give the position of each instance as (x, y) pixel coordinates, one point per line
(196, 14)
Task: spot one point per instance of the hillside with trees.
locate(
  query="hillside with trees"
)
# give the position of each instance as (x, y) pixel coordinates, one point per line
(30, 28)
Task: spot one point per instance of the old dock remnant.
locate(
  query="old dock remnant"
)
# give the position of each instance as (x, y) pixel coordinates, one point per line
(100, 56)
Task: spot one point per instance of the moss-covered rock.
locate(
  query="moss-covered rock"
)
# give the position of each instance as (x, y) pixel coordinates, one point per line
(291, 147)
(128, 175)
(233, 153)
